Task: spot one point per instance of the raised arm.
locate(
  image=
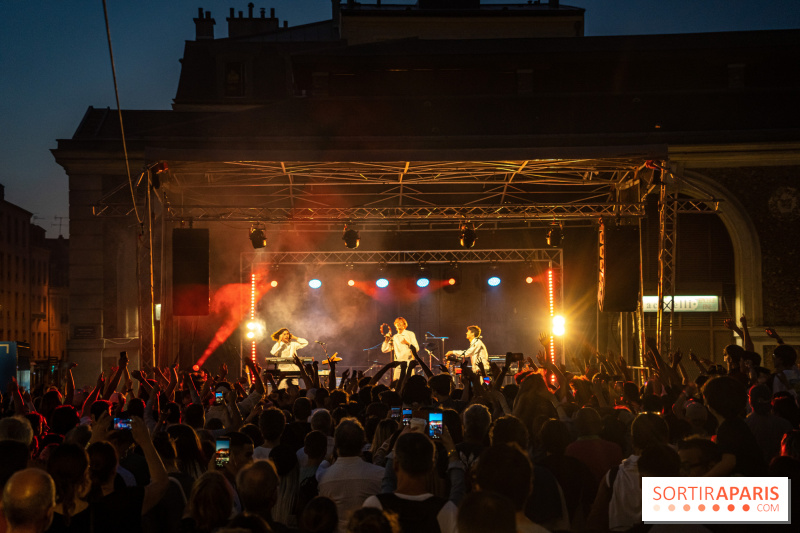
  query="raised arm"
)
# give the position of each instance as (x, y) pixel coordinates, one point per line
(746, 340)
(87, 404)
(425, 368)
(159, 480)
(385, 368)
(303, 374)
(112, 384)
(771, 333)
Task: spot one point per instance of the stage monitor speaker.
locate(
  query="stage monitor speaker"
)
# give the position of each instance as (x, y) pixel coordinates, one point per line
(618, 287)
(190, 272)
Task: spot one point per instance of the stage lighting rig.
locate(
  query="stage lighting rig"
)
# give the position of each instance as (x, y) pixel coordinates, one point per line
(468, 235)
(350, 237)
(555, 235)
(257, 237)
(452, 277)
(422, 276)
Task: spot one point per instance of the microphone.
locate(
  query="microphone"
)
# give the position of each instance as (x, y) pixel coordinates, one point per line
(320, 342)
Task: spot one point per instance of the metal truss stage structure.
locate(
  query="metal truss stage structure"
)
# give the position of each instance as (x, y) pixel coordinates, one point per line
(552, 256)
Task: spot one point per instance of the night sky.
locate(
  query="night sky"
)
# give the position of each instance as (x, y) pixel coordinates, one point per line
(54, 63)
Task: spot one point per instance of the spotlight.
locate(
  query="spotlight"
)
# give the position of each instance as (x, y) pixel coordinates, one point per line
(558, 325)
(315, 283)
(452, 277)
(382, 283)
(350, 238)
(422, 277)
(351, 282)
(493, 281)
(257, 237)
(529, 280)
(468, 236)
(254, 329)
(554, 236)
(273, 283)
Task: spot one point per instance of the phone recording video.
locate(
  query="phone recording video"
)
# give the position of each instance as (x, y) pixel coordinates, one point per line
(219, 398)
(396, 413)
(435, 427)
(122, 423)
(223, 449)
(487, 380)
(406, 417)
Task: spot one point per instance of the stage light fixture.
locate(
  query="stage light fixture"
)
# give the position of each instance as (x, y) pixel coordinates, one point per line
(423, 282)
(257, 236)
(314, 283)
(422, 276)
(555, 235)
(382, 283)
(351, 282)
(452, 277)
(493, 281)
(559, 325)
(351, 238)
(529, 280)
(468, 235)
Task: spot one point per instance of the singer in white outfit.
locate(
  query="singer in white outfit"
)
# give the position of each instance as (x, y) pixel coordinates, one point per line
(476, 351)
(401, 342)
(286, 344)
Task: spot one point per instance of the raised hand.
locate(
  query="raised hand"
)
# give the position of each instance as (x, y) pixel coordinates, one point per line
(541, 357)
(743, 321)
(544, 339)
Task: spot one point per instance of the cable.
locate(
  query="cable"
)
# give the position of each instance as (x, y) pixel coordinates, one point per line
(119, 112)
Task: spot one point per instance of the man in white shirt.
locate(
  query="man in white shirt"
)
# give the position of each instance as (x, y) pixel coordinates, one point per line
(400, 342)
(286, 344)
(476, 351)
(349, 480)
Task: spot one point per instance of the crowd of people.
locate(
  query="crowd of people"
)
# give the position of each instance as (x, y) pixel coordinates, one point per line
(533, 449)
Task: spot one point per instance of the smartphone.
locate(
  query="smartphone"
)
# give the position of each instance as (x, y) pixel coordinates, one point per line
(406, 417)
(219, 398)
(435, 424)
(223, 451)
(396, 414)
(458, 370)
(122, 423)
(487, 380)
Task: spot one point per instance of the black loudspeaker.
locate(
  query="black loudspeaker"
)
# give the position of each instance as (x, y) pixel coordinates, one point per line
(190, 272)
(618, 287)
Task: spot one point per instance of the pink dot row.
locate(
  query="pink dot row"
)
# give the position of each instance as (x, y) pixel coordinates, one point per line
(702, 507)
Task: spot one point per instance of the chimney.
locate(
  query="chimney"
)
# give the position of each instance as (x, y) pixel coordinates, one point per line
(553, 4)
(204, 26)
(251, 25)
(2, 192)
(285, 23)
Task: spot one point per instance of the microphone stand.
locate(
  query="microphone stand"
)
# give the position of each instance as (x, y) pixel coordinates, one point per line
(429, 335)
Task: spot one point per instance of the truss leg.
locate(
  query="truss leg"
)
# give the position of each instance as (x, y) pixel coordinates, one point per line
(668, 223)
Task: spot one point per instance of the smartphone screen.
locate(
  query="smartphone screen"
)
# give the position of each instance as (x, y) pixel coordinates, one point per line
(396, 412)
(435, 425)
(406, 417)
(122, 423)
(223, 449)
(487, 379)
(218, 398)
(458, 370)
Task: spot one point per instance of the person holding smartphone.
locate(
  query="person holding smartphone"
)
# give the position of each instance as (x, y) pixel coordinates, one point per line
(401, 343)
